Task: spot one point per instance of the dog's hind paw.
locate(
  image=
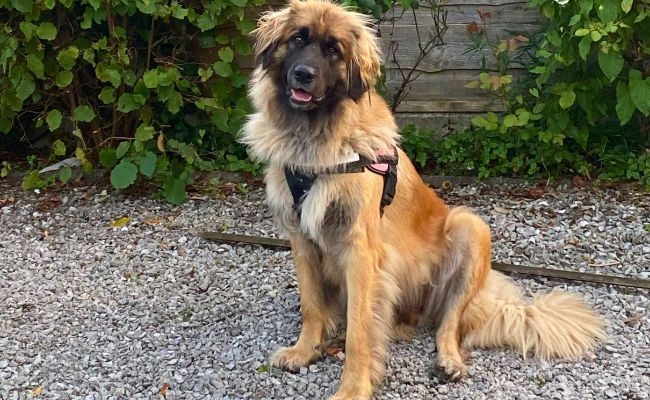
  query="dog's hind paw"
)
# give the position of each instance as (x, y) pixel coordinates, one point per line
(449, 370)
(292, 358)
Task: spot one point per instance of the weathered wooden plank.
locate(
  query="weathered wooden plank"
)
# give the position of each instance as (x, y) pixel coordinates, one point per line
(515, 13)
(441, 85)
(456, 33)
(477, 3)
(452, 56)
(441, 123)
(449, 106)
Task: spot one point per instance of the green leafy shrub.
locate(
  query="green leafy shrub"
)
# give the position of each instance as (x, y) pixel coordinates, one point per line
(147, 88)
(586, 108)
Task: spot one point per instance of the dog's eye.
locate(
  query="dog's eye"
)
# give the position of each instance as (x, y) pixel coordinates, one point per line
(298, 39)
(332, 50)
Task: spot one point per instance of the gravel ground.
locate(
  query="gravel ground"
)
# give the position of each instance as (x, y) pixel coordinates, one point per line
(95, 311)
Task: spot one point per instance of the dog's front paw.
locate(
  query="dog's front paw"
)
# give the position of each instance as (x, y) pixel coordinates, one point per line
(292, 358)
(448, 369)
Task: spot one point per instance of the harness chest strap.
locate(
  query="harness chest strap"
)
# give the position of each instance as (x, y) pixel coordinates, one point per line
(386, 165)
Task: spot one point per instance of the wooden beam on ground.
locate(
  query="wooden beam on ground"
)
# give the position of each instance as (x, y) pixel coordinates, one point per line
(510, 268)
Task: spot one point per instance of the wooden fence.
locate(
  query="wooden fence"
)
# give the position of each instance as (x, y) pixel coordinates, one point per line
(438, 98)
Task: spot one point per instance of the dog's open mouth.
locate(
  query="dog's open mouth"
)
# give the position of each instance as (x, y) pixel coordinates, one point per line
(300, 96)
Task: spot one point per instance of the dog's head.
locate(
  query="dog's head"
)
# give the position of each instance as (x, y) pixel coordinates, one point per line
(317, 52)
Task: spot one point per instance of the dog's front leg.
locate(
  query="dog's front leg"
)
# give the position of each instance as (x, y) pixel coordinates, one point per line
(369, 320)
(317, 318)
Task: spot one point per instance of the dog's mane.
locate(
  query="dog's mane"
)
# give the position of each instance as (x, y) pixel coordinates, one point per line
(317, 139)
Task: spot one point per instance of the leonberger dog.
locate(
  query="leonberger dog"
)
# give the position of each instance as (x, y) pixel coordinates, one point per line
(375, 249)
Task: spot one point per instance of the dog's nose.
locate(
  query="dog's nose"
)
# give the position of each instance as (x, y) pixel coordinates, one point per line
(304, 73)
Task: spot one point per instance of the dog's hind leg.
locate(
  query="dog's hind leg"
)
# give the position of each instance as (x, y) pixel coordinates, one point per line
(318, 319)
(467, 263)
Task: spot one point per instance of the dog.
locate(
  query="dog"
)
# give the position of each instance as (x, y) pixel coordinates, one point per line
(375, 249)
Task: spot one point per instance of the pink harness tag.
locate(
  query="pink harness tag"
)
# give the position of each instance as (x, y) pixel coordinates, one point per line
(381, 168)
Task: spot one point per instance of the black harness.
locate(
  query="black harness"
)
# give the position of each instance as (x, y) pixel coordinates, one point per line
(386, 166)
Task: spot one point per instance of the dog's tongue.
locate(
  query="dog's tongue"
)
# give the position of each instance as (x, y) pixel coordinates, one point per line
(300, 95)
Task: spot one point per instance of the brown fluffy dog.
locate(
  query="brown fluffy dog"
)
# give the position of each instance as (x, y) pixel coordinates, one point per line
(418, 261)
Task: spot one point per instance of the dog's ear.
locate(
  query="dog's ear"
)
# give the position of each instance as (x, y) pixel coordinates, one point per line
(364, 67)
(267, 54)
(356, 85)
(271, 28)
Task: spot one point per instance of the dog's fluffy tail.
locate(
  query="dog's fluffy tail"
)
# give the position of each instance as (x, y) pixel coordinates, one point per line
(555, 324)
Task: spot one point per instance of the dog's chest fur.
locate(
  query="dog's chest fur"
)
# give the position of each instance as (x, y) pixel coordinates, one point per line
(327, 209)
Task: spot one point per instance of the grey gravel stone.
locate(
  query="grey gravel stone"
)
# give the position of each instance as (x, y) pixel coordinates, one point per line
(93, 311)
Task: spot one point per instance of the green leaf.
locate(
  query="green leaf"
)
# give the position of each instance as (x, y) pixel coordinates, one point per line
(150, 79)
(108, 74)
(63, 78)
(107, 95)
(122, 148)
(123, 174)
(146, 6)
(49, 4)
(175, 102)
(144, 133)
(567, 98)
(584, 47)
(58, 148)
(147, 163)
(239, 3)
(509, 120)
(610, 63)
(178, 11)
(67, 58)
(174, 190)
(220, 118)
(95, 4)
(46, 31)
(226, 54)
(32, 181)
(83, 113)
(205, 74)
(245, 26)
(642, 15)
(65, 174)
(129, 102)
(36, 66)
(640, 91)
(107, 158)
(26, 86)
(222, 69)
(22, 6)
(27, 28)
(53, 119)
(626, 6)
(595, 36)
(586, 6)
(574, 20)
(168, 77)
(608, 10)
(5, 125)
(77, 133)
(582, 32)
(221, 38)
(205, 22)
(624, 105)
